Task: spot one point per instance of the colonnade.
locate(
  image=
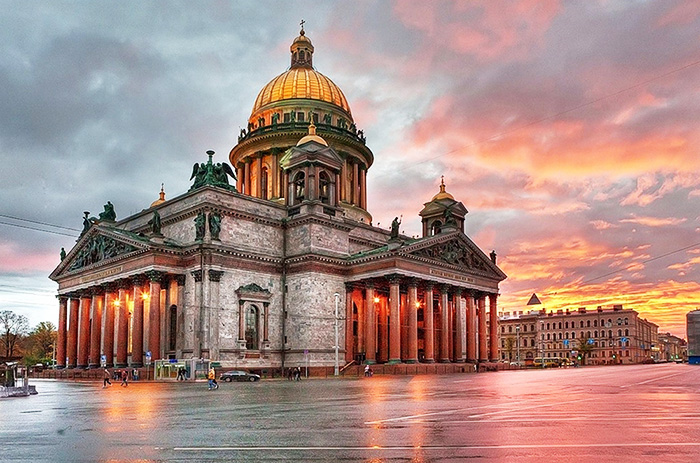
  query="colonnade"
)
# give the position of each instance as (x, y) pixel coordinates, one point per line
(113, 319)
(407, 320)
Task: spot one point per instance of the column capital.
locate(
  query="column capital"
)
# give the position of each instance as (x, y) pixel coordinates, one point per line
(197, 274)
(412, 282)
(445, 289)
(124, 283)
(139, 280)
(155, 276)
(369, 284)
(179, 278)
(97, 290)
(215, 275)
(428, 285)
(110, 286)
(457, 291)
(62, 297)
(394, 278)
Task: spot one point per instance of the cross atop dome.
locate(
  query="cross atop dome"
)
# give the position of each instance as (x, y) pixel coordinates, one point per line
(302, 50)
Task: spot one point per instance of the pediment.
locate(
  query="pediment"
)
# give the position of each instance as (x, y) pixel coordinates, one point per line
(456, 250)
(98, 245)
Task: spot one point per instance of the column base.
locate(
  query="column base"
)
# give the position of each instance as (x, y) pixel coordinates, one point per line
(411, 361)
(93, 365)
(428, 361)
(444, 361)
(471, 361)
(83, 367)
(121, 365)
(70, 367)
(370, 362)
(483, 360)
(136, 365)
(393, 361)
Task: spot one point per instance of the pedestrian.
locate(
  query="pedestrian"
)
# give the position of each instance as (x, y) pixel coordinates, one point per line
(290, 374)
(212, 379)
(367, 370)
(134, 375)
(125, 378)
(181, 374)
(106, 380)
(297, 374)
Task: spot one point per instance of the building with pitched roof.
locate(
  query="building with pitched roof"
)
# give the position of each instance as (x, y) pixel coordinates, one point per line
(265, 271)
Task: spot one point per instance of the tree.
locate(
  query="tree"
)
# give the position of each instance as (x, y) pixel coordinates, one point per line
(12, 327)
(584, 349)
(40, 344)
(510, 343)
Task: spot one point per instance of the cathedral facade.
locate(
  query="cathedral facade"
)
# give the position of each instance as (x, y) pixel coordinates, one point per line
(280, 266)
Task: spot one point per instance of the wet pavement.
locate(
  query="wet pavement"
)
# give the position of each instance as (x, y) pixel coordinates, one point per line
(592, 414)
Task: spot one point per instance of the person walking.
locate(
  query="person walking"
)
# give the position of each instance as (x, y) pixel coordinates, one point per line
(212, 379)
(125, 378)
(106, 380)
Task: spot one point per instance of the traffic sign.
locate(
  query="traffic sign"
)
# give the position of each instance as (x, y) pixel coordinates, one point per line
(566, 342)
(590, 341)
(148, 357)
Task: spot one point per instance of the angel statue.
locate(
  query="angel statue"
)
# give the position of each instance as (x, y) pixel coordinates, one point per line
(212, 174)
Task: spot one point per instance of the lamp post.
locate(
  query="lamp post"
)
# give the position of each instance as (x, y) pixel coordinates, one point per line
(337, 300)
(517, 343)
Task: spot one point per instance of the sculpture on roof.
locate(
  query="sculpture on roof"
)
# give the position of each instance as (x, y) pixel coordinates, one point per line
(212, 174)
(155, 223)
(108, 213)
(395, 228)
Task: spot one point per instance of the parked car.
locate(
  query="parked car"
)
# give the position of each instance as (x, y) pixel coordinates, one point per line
(238, 375)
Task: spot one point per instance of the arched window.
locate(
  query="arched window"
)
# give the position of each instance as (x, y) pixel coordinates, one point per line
(595, 323)
(324, 188)
(263, 183)
(532, 343)
(627, 332)
(437, 227)
(559, 325)
(299, 187)
(627, 322)
(588, 323)
(251, 327)
(567, 325)
(510, 329)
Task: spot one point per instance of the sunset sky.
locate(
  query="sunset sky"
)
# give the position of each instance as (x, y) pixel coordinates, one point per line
(570, 130)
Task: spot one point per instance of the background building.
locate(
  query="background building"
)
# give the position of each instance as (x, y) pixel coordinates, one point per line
(693, 327)
(603, 336)
(672, 348)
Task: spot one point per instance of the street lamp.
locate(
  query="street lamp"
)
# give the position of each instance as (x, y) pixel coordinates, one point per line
(337, 366)
(517, 342)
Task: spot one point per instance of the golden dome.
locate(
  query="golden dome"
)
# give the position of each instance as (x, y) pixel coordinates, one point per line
(443, 194)
(301, 83)
(312, 137)
(161, 198)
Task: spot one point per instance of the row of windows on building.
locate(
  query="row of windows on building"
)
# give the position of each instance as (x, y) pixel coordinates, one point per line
(586, 335)
(531, 343)
(587, 324)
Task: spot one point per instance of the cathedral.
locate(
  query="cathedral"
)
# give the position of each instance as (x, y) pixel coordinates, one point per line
(271, 260)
